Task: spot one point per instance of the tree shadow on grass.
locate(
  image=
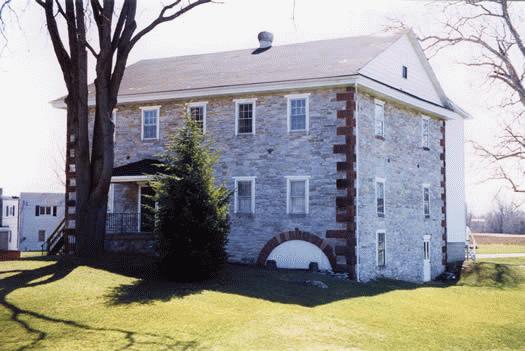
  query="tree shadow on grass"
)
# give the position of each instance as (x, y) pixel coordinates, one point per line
(54, 272)
(282, 286)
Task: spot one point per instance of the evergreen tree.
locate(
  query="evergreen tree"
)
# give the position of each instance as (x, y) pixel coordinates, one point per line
(192, 211)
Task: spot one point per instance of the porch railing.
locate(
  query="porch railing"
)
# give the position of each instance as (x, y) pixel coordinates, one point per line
(128, 223)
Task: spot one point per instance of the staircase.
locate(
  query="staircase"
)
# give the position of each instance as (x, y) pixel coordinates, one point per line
(54, 245)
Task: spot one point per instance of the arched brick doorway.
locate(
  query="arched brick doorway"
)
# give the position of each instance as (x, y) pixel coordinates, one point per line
(296, 235)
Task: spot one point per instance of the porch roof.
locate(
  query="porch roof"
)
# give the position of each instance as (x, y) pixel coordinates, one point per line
(143, 167)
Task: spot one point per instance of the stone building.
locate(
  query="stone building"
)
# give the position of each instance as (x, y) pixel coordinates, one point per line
(343, 152)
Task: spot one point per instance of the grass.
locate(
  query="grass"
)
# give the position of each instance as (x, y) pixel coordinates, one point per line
(120, 305)
(500, 248)
(513, 261)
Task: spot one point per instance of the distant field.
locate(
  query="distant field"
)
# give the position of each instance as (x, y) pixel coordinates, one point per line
(500, 248)
(489, 238)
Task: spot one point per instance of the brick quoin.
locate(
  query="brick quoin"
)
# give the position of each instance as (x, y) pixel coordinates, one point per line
(345, 205)
(296, 235)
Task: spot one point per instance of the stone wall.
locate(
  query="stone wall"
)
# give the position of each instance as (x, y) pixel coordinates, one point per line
(273, 153)
(142, 244)
(405, 166)
(269, 155)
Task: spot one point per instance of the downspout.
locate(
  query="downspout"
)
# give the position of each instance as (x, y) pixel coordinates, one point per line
(357, 252)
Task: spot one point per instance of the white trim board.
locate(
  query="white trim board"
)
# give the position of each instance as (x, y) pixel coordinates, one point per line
(131, 179)
(383, 90)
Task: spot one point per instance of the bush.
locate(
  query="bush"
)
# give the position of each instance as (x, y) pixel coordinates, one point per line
(192, 211)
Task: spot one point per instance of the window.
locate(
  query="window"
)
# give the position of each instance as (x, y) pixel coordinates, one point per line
(44, 210)
(380, 197)
(426, 248)
(404, 72)
(244, 201)
(297, 194)
(54, 211)
(12, 210)
(425, 132)
(298, 112)
(111, 196)
(150, 123)
(381, 248)
(245, 116)
(197, 111)
(379, 114)
(426, 200)
(41, 235)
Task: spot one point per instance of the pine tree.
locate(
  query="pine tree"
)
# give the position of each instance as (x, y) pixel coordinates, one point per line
(192, 211)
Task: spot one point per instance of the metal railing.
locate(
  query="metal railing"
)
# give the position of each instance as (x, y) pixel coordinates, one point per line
(126, 223)
(54, 239)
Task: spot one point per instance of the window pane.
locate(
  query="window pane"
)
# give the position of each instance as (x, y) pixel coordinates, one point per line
(197, 114)
(244, 196)
(245, 118)
(380, 197)
(379, 119)
(298, 114)
(381, 249)
(297, 187)
(298, 196)
(41, 235)
(426, 126)
(150, 132)
(150, 124)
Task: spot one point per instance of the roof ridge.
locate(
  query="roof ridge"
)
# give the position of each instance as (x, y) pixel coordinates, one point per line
(378, 35)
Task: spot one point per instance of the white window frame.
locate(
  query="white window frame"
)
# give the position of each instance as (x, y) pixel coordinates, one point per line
(306, 179)
(382, 181)
(380, 231)
(289, 99)
(150, 108)
(204, 105)
(380, 103)
(235, 201)
(425, 143)
(252, 101)
(426, 186)
(111, 198)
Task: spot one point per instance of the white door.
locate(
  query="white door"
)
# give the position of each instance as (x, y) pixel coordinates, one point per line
(426, 258)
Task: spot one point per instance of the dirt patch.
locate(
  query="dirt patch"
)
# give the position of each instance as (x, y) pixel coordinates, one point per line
(496, 239)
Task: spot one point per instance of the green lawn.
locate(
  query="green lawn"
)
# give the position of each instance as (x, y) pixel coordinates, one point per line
(500, 248)
(72, 305)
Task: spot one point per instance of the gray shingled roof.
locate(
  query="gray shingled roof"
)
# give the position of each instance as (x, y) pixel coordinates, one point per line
(315, 59)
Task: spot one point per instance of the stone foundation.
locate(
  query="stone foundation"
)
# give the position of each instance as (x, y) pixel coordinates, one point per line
(143, 244)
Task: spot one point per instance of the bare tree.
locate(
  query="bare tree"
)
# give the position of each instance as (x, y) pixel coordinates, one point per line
(494, 30)
(117, 34)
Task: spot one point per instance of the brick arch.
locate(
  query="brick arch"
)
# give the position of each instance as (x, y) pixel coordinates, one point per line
(296, 234)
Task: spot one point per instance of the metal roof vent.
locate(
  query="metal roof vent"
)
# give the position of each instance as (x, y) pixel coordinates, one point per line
(265, 40)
